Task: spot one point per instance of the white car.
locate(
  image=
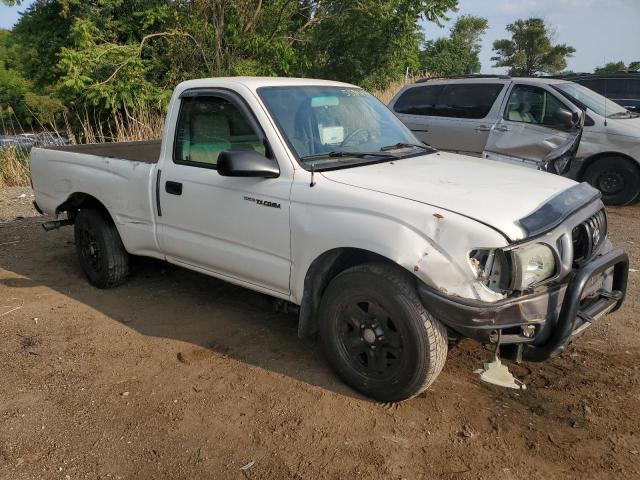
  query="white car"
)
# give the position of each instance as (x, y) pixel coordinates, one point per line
(313, 192)
(523, 120)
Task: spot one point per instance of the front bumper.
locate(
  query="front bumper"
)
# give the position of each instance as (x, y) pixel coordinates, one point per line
(554, 316)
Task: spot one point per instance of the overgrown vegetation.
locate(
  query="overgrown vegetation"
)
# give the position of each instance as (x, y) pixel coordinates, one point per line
(79, 59)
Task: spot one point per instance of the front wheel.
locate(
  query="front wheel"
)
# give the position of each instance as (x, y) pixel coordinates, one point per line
(377, 335)
(617, 178)
(102, 256)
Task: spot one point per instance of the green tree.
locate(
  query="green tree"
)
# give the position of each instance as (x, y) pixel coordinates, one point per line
(611, 67)
(458, 54)
(103, 56)
(530, 50)
(369, 42)
(614, 67)
(13, 88)
(37, 39)
(20, 108)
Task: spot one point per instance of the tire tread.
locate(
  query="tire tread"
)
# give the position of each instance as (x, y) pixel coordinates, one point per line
(436, 333)
(117, 257)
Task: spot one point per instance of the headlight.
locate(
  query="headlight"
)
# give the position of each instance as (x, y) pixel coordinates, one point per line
(531, 264)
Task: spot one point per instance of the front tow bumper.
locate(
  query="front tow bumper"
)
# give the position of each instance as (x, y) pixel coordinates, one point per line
(552, 317)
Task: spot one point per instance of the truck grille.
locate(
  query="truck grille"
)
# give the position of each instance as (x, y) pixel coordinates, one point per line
(588, 236)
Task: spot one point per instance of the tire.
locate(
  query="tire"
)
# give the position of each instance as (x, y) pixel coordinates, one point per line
(616, 177)
(377, 335)
(102, 256)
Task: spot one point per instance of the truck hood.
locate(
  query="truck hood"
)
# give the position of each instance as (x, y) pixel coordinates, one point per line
(491, 192)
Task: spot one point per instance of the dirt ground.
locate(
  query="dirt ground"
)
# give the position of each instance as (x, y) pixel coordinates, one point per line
(180, 376)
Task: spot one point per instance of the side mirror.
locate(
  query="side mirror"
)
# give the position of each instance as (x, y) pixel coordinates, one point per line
(565, 117)
(246, 163)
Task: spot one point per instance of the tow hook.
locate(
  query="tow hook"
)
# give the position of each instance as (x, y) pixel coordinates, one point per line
(55, 224)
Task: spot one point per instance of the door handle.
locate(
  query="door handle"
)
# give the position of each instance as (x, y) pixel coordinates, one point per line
(483, 128)
(173, 188)
(502, 128)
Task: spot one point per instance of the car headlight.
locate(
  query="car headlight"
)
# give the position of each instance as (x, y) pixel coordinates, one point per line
(531, 264)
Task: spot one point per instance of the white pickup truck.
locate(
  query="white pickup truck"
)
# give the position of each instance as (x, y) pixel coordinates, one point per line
(313, 192)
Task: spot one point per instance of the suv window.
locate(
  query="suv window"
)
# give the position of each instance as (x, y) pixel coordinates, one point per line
(209, 125)
(467, 100)
(419, 100)
(458, 100)
(529, 104)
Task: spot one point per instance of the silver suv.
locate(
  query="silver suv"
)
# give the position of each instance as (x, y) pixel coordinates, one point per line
(524, 120)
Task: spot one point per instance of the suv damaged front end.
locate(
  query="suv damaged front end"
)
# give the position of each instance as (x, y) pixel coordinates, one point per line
(563, 276)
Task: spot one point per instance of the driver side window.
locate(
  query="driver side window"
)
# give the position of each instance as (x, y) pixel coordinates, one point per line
(528, 104)
(209, 125)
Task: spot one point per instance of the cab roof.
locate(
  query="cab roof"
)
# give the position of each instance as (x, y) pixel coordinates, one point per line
(253, 83)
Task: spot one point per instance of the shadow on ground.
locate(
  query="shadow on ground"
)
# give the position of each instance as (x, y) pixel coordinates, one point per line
(162, 300)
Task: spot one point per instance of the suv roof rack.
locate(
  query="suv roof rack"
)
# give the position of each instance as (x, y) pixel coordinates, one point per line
(471, 75)
(619, 73)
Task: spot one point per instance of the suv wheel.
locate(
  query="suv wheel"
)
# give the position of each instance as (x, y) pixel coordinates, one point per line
(617, 178)
(377, 335)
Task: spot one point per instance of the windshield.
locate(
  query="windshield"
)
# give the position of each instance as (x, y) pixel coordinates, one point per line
(592, 100)
(329, 126)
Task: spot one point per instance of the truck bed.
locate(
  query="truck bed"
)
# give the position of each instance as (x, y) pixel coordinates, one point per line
(118, 175)
(147, 151)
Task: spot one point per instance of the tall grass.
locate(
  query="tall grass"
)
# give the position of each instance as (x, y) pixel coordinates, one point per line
(388, 93)
(123, 126)
(14, 167)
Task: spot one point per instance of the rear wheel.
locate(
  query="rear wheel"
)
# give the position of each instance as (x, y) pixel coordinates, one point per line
(617, 178)
(377, 335)
(102, 256)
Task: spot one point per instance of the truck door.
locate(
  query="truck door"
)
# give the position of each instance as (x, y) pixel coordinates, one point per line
(235, 227)
(534, 123)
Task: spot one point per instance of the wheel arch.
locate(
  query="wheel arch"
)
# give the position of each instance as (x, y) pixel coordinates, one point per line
(325, 268)
(79, 200)
(587, 162)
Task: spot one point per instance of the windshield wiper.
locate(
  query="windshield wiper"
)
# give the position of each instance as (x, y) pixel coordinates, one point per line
(340, 154)
(404, 145)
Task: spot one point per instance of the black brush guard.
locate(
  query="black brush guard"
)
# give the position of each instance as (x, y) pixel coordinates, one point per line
(558, 313)
(573, 318)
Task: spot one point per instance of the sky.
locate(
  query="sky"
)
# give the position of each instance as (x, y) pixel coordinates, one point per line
(9, 15)
(600, 30)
